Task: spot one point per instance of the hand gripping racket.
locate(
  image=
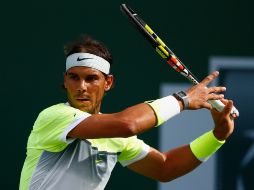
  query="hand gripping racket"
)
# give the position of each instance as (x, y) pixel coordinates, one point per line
(163, 50)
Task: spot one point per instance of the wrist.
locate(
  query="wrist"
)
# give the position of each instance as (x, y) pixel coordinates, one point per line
(205, 146)
(165, 108)
(220, 135)
(183, 99)
(181, 105)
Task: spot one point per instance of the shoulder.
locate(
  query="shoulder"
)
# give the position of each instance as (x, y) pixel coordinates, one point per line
(52, 123)
(58, 114)
(59, 110)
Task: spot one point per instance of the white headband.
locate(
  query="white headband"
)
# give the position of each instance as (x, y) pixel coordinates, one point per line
(87, 60)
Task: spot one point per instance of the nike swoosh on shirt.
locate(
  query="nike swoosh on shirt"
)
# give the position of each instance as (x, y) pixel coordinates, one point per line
(81, 59)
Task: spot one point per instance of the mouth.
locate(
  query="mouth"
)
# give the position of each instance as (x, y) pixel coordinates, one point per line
(82, 99)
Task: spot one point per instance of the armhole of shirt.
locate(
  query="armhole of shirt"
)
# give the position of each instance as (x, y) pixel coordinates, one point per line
(72, 126)
(140, 156)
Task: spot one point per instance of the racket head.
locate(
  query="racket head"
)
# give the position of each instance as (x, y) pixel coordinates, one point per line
(162, 49)
(138, 23)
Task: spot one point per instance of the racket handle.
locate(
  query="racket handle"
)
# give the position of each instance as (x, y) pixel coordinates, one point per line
(219, 106)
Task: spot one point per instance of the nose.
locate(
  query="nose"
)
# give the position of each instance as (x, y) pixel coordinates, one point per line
(82, 87)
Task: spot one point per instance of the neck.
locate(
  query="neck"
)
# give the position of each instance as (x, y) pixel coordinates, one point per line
(96, 110)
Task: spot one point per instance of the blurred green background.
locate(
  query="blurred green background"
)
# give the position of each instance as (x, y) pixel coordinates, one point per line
(33, 34)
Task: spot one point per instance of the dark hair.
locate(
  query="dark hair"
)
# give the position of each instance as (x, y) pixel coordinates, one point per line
(87, 44)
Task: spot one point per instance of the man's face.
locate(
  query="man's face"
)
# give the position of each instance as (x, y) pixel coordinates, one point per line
(86, 87)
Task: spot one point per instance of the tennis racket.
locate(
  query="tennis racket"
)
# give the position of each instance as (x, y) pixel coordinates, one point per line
(163, 50)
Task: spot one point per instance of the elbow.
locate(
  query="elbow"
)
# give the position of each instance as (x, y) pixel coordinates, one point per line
(129, 128)
(168, 174)
(130, 124)
(165, 178)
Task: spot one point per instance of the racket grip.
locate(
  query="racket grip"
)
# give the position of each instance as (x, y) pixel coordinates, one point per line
(219, 106)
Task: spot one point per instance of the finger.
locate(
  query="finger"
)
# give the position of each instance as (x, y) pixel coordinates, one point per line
(215, 96)
(224, 101)
(207, 106)
(210, 78)
(216, 89)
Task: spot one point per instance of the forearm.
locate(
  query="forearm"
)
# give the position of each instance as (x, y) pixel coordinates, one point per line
(166, 166)
(188, 157)
(141, 116)
(178, 162)
(131, 121)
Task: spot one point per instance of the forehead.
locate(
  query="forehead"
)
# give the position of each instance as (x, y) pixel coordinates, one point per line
(82, 70)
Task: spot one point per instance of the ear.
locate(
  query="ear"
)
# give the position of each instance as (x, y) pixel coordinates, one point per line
(109, 82)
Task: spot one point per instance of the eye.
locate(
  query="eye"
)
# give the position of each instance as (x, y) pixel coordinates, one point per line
(91, 78)
(74, 77)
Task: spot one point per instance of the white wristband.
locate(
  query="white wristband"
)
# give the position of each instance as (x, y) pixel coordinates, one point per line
(165, 108)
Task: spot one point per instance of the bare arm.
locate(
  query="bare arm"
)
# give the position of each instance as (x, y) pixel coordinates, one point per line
(129, 122)
(166, 166)
(139, 118)
(177, 162)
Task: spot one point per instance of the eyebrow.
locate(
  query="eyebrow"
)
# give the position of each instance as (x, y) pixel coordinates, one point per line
(75, 74)
(67, 73)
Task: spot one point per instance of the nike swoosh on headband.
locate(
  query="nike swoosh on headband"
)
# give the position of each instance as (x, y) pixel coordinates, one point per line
(81, 59)
(87, 60)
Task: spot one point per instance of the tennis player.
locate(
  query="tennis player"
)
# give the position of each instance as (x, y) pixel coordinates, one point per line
(74, 146)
